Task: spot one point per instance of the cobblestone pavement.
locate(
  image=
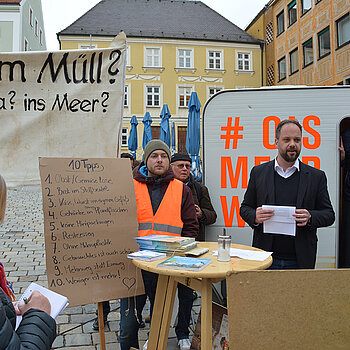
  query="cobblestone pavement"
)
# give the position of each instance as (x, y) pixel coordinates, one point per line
(23, 255)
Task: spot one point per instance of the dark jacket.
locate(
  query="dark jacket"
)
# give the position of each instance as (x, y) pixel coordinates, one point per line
(188, 212)
(312, 195)
(37, 330)
(201, 197)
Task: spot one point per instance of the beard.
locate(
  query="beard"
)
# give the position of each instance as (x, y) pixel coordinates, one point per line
(290, 158)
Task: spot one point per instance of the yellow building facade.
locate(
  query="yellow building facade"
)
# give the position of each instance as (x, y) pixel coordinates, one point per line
(183, 67)
(307, 42)
(163, 68)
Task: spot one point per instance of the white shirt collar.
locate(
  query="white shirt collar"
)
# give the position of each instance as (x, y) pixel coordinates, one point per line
(289, 171)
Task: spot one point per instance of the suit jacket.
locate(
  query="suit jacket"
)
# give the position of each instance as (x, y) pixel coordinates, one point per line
(312, 195)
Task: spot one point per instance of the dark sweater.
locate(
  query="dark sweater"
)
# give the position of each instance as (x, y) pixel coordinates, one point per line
(286, 190)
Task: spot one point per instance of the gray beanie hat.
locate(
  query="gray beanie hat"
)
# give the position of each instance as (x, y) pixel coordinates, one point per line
(155, 145)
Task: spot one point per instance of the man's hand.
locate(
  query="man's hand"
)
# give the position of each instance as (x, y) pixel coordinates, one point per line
(198, 211)
(302, 217)
(35, 301)
(341, 149)
(262, 215)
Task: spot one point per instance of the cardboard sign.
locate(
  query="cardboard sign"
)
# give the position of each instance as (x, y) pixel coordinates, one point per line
(59, 104)
(289, 309)
(90, 222)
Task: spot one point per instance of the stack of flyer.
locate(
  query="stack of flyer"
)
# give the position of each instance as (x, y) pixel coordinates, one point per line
(146, 255)
(166, 244)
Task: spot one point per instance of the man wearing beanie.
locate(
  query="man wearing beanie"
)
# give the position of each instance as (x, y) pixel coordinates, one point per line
(206, 215)
(159, 199)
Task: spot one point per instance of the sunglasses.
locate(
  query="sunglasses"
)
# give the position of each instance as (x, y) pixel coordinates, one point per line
(180, 166)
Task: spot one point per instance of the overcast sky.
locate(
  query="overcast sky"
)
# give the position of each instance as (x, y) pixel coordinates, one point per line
(59, 14)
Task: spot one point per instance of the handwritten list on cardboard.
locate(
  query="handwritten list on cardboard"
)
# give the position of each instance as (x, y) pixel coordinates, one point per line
(90, 222)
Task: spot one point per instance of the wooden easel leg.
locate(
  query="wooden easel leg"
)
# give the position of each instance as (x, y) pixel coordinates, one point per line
(101, 325)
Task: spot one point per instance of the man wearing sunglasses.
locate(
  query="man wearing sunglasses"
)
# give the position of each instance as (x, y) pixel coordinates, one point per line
(206, 215)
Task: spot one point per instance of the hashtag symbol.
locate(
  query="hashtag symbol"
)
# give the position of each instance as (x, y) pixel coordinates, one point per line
(229, 136)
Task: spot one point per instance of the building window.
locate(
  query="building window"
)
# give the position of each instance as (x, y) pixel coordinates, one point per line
(128, 56)
(126, 96)
(124, 137)
(152, 96)
(213, 90)
(31, 17)
(305, 6)
(215, 60)
(41, 37)
(244, 61)
(282, 69)
(343, 30)
(308, 52)
(36, 29)
(324, 43)
(26, 45)
(153, 57)
(181, 139)
(280, 23)
(155, 132)
(292, 12)
(294, 61)
(185, 58)
(184, 94)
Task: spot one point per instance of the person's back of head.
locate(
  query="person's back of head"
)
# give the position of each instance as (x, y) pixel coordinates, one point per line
(2, 198)
(127, 155)
(132, 159)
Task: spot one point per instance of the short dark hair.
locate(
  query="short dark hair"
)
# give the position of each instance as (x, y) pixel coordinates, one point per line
(127, 155)
(284, 122)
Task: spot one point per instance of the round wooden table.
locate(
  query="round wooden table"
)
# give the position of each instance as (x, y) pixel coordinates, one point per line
(198, 280)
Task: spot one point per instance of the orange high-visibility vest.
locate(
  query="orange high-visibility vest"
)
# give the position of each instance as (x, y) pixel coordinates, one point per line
(167, 219)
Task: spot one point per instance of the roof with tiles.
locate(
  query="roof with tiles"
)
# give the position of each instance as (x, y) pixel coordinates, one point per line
(171, 19)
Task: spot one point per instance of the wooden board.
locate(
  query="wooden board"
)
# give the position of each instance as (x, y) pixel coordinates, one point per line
(295, 309)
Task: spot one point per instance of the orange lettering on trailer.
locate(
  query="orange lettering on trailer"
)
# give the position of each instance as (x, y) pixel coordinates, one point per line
(315, 160)
(228, 218)
(263, 159)
(242, 167)
(311, 131)
(266, 131)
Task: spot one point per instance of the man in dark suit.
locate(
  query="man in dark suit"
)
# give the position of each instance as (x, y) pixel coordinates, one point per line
(289, 182)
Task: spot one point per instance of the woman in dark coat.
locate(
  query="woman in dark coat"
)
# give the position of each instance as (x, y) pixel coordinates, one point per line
(37, 330)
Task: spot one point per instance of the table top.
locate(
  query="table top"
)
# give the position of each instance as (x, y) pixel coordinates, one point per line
(216, 269)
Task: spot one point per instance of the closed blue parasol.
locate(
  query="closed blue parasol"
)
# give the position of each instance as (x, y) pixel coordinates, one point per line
(132, 141)
(173, 146)
(193, 137)
(164, 133)
(147, 129)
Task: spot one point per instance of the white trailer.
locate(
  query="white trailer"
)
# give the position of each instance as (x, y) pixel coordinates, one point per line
(238, 129)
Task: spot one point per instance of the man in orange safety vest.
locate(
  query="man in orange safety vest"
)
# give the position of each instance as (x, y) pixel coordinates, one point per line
(165, 206)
